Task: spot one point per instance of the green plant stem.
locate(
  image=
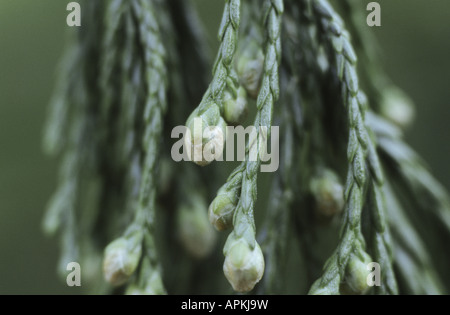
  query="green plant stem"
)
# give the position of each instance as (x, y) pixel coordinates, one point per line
(153, 54)
(222, 70)
(414, 268)
(276, 230)
(343, 59)
(243, 221)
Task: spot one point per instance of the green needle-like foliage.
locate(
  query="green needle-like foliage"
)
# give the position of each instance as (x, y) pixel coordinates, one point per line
(123, 206)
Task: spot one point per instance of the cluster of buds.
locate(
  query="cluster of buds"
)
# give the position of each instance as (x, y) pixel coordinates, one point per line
(206, 134)
(207, 124)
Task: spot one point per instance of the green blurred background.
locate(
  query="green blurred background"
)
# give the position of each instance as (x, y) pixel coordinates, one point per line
(414, 40)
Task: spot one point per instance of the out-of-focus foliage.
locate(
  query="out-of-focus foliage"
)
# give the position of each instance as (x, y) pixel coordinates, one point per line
(26, 82)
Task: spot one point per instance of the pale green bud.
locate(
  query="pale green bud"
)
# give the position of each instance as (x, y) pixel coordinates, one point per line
(221, 210)
(196, 234)
(356, 274)
(121, 259)
(207, 135)
(235, 108)
(243, 266)
(328, 194)
(397, 107)
(250, 67)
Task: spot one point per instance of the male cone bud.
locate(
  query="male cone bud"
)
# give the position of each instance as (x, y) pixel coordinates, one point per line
(195, 233)
(121, 258)
(356, 274)
(250, 66)
(222, 208)
(328, 194)
(206, 135)
(235, 107)
(243, 266)
(397, 107)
